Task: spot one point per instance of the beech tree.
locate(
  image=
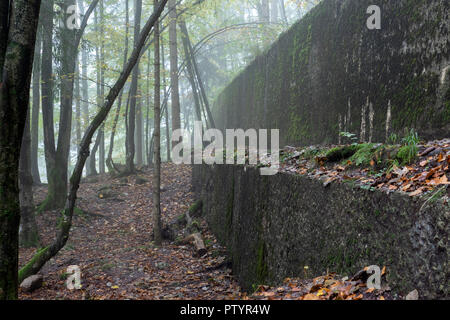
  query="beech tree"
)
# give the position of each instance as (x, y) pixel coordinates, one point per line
(157, 141)
(18, 25)
(58, 155)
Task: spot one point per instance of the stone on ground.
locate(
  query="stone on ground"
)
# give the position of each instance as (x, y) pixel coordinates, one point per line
(32, 283)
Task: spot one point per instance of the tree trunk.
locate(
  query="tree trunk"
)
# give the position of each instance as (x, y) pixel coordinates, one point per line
(263, 11)
(157, 141)
(77, 107)
(133, 93)
(85, 88)
(28, 233)
(101, 155)
(176, 123)
(45, 254)
(36, 106)
(283, 12)
(58, 176)
(57, 182)
(166, 110)
(17, 40)
(191, 76)
(193, 61)
(109, 161)
(139, 128)
(47, 84)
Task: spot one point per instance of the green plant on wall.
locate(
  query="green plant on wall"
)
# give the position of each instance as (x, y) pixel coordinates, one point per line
(408, 152)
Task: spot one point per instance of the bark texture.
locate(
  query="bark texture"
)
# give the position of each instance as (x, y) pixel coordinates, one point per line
(17, 40)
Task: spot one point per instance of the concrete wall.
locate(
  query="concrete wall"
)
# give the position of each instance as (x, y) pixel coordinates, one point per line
(274, 226)
(330, 73)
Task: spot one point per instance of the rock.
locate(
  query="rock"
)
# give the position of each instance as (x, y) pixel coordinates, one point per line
(413, 295)
(32, 283)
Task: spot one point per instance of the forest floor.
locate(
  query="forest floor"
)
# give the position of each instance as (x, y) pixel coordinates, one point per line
(111, 242)
(112, 245)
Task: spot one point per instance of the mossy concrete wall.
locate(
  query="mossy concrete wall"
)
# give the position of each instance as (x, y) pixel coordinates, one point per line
(329, 72)
(275, 226)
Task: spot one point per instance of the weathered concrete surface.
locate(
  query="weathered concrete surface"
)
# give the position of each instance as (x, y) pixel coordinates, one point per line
(275, 226)
(330, 73)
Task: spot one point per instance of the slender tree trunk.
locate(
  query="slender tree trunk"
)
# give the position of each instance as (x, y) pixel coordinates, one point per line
(193, 61)
(109, 161)
(17, 40)
(139, 134)
(28, 233)
(45, 254)
(157, 137)
(148, 123)
(36, 107)
(85, 89)
(176, 123)
(101, 155)
(78, 107)
(191, 76)
(283, 12)
(166, 110)
(263, 11)
(47, 84)
(133, 93)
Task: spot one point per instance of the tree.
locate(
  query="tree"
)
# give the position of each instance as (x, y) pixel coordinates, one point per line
(190, 73)
(84, 87)
(18, 25)
(174, 65)
(133, 94)
(157, 142)
(57, 173)
(47, 83)
(35, 108)
(192, 64)
(109, 160)
(166, 109)
(46, 253)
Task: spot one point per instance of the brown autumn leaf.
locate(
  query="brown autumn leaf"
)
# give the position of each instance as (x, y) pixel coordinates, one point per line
(407, 187)
(383, 271)
(311, 296)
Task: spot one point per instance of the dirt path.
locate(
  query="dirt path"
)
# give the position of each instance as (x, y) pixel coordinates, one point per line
(112, 246)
